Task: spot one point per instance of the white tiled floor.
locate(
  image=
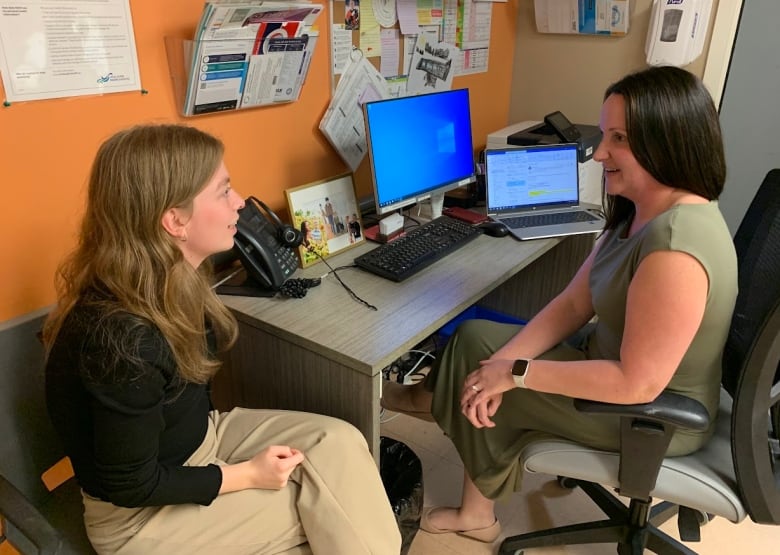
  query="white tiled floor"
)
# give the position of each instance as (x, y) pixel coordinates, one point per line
(541, 504)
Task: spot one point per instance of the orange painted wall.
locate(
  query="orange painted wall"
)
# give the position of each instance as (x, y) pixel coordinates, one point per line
(46, 147)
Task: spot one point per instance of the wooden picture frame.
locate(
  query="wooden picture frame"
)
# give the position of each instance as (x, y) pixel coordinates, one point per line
(327, 214)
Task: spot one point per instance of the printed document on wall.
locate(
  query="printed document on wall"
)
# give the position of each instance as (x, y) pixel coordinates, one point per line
(62, 48)
(591, 17)
(343, 123)
(467, 25)
(431, 67)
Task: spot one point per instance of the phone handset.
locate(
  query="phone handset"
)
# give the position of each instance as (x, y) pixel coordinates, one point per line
(265, 245)
(566, 130)
(286, 233)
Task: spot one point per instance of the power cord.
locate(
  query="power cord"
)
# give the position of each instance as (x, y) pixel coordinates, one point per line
(383, 419)
(414, 371)
(407, 369)
(408, 216)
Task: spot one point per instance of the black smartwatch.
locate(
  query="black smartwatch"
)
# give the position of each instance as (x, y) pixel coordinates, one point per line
(520, 370)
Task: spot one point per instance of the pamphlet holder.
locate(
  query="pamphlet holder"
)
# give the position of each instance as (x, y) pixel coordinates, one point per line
(180, 54)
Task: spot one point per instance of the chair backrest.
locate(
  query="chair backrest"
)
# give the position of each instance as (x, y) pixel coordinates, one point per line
(29, 444)
(757, 243)
(751, 358)
(754, 443)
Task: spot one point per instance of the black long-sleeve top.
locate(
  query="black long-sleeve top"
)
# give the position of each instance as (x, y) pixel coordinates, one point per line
(128, 423)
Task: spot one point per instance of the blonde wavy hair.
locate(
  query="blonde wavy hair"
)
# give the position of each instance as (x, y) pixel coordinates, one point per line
(139, 174)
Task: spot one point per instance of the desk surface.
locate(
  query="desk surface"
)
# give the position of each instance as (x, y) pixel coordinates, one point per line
(329, 322)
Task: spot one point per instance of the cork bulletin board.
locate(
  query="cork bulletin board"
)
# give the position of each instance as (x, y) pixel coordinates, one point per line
(349, 21)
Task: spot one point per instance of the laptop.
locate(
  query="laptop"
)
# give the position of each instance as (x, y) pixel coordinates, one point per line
(534, 191)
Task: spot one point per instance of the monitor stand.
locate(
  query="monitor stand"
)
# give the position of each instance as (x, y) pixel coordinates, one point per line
(437, 202)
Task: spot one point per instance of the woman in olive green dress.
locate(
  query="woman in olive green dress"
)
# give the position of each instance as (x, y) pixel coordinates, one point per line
(661, 282)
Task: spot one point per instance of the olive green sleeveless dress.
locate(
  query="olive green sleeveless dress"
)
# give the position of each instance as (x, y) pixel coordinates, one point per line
(490, 455)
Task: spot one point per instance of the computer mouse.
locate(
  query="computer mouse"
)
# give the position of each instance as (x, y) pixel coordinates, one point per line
(494, 229)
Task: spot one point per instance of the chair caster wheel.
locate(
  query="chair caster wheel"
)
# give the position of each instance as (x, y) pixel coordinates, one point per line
(566, 482)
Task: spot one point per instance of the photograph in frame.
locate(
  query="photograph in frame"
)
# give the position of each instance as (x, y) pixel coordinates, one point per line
(326, 212)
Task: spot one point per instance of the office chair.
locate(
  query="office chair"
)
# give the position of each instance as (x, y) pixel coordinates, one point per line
(736, 474)
(33, 519)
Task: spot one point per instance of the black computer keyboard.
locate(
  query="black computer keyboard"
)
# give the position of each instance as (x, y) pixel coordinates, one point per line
(538, 220)
(418, 249)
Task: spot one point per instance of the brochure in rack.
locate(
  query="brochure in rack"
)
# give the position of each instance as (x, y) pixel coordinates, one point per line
(249, 53)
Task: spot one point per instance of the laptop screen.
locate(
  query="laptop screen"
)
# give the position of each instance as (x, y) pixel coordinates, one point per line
(531, 177)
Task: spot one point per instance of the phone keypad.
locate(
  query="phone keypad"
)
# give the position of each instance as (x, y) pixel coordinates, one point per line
(287, 260)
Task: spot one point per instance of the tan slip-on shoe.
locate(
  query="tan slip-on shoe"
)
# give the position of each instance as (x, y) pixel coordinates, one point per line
(400, 398)
(489, 534)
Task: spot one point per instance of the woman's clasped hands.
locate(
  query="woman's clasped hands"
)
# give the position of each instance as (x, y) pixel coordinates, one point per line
(483, 391)
(271, 467)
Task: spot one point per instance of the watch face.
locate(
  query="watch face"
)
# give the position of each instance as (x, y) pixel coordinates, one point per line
(519, 367)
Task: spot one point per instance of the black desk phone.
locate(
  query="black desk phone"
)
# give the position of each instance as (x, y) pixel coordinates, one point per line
(265, 245)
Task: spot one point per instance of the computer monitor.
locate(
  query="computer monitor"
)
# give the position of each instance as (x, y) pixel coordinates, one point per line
(419, 147)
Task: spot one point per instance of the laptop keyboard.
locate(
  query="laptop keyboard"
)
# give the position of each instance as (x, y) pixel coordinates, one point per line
(541, 220)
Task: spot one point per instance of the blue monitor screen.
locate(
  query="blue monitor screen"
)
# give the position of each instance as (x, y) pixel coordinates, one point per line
(418, 146)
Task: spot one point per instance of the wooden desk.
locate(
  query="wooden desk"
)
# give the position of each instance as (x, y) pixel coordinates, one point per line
(324, 353)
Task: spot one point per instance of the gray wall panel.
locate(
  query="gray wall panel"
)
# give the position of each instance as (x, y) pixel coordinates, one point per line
(750, 108)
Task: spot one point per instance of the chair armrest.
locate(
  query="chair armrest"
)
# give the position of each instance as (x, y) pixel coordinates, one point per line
(668, 408)
(645, 433)
(17, 510)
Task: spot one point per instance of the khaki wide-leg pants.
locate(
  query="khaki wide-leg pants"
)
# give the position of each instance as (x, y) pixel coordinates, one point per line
(334, 502)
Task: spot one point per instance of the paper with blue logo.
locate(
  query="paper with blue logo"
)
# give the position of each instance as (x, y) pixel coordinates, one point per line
(63, 48)
(587, 17)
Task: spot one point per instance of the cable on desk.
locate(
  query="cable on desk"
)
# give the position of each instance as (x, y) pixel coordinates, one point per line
(344, 285)
(370, 219)
(409, 216)
(229, 276)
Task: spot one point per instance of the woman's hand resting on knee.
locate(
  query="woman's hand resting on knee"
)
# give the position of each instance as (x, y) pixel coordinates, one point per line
(483, 391)
(269, 469)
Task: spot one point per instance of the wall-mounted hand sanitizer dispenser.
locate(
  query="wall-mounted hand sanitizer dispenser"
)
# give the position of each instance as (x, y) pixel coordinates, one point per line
(676, 32)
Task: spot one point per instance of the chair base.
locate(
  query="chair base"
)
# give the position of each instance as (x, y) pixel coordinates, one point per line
(632, 528)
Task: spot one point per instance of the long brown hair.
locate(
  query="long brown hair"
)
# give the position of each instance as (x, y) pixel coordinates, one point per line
(674, 133)
(123, 250)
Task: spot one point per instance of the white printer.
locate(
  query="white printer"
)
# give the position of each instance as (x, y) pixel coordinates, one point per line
(537, 132)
